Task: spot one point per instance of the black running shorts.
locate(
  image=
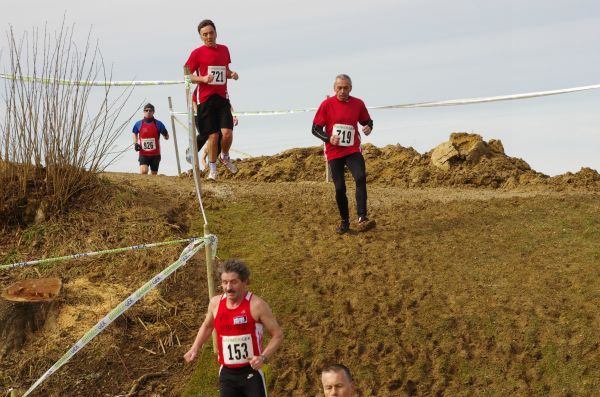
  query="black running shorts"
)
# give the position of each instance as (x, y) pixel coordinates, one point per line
(242, 382)
(151, 161)
(213, 114)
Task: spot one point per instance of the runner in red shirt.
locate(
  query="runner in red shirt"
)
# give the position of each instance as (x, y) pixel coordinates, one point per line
(336, 124)
(210, 67)
(239, 318)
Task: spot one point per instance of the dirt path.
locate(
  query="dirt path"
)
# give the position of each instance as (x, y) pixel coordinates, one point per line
(458, 291)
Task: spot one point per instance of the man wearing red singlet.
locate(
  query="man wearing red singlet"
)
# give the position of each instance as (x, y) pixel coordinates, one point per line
(239, 318)
(336, 124)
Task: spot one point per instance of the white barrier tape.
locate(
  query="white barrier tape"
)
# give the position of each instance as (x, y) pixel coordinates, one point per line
(449, 102)
(469, 101)
(87, 82)
(186, 254)
(261, 112)
(230, 149)
(95, 253)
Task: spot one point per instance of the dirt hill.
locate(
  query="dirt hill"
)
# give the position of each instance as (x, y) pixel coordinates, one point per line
(481, 278)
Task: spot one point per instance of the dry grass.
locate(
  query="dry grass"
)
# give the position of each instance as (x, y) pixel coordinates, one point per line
(56, 136)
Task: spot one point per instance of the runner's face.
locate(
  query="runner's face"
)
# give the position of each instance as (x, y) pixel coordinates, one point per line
(233, 286)
(336, 384)
(208, 36)
(342, 89)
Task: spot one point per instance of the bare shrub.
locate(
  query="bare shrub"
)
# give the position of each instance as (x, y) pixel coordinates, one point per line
(57, 129)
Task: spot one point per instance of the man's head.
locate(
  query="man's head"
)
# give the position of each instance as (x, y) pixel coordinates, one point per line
(337, 381)
(342, 87)
(235, 276)
(208, 33)
(148, 110)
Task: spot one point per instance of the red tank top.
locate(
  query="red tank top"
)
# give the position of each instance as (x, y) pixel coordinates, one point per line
(148, 137)
(239, 336)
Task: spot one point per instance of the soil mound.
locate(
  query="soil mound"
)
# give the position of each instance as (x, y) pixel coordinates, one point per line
(465, 160)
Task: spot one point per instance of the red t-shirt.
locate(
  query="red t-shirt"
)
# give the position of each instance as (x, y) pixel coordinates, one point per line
(344, 116)
(239, 335)
(214, 60)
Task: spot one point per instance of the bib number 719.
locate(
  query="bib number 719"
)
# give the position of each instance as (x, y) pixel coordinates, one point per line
(346, 133)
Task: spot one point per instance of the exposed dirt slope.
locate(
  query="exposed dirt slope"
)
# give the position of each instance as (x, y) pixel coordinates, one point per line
(458, 291)
(475, 163)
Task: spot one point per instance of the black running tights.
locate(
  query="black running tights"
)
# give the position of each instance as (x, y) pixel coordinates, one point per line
(356, 164)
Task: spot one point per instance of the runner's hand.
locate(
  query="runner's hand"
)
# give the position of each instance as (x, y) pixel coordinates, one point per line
(366, 130)
(190, 356)
(208, 78)
(235, 121)
(234, 75)
(137, 147)
(256, 362)
(334, 140)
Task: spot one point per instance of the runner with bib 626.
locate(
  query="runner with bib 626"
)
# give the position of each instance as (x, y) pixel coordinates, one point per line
(336, 124)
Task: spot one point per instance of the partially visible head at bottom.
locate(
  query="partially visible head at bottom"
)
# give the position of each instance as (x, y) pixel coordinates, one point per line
(337, 381)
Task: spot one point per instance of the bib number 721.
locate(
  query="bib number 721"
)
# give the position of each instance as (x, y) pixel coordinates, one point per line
(346, 133)
(219, 74)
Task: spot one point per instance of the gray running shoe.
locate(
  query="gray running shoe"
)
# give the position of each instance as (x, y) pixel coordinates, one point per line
(230, 166)
(212, 175)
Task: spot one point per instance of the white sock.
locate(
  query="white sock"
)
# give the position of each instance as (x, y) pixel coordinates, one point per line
(225, 156)
(212, 166)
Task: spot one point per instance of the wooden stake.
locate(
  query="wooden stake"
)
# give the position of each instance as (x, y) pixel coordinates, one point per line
(196, 170)
(174, 135)
(210, 279)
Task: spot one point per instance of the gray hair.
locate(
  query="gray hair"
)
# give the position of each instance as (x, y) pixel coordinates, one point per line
(339, 368)
(343, 76)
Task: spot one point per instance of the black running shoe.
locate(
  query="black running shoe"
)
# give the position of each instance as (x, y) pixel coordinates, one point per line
(343, 227)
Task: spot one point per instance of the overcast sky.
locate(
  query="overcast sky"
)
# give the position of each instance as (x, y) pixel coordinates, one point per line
(288, 52)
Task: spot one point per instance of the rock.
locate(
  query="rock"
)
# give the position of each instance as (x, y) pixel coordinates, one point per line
(443, 154)
(476, 151)
(470, 147)
(463, 142)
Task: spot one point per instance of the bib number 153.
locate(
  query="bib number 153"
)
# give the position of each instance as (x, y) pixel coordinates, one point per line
(237, 349)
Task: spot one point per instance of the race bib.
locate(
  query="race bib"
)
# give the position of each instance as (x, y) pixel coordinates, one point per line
(219, 73)
(148, 144)
(237, 349)
(345, 132)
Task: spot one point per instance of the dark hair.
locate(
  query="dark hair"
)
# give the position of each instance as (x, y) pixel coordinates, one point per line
(235, 266)
(206, 22)
(148, 106)
(338, 368)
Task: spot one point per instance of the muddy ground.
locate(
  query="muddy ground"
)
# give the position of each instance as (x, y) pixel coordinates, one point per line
(482, 279)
